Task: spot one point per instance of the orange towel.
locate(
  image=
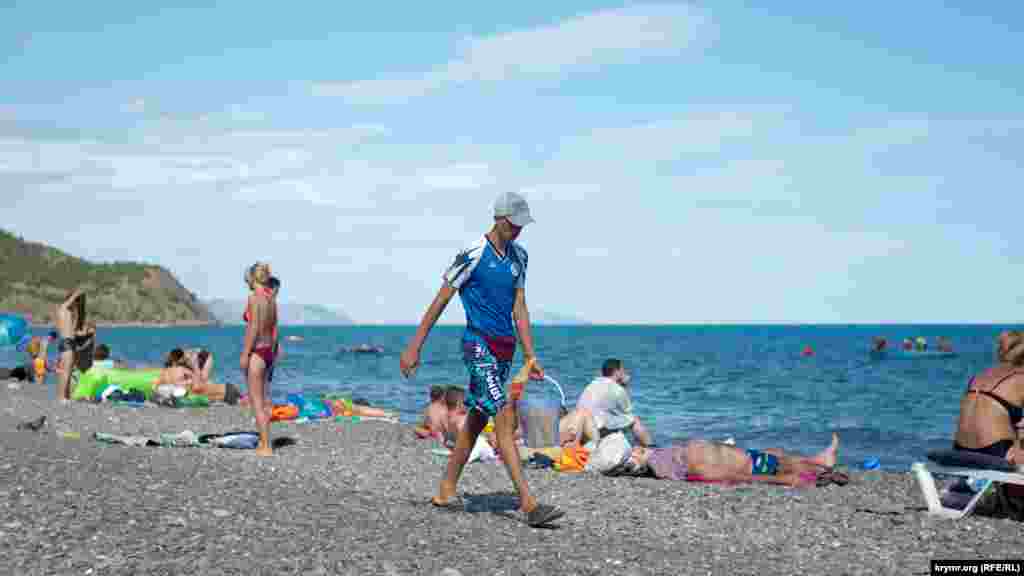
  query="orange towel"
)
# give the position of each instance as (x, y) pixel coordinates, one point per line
(284, 412)
(573, 459)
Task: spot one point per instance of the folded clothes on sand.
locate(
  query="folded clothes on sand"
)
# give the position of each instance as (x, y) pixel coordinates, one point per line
(189, 439)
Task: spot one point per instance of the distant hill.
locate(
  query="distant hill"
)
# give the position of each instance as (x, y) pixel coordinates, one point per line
(230, 312)
(35, 277)
(543, 317)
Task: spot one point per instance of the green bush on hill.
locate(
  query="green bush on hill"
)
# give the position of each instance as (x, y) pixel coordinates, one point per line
(35, 277)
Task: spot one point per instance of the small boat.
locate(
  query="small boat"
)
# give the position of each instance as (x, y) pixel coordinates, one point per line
(294, 338)
(364, 349)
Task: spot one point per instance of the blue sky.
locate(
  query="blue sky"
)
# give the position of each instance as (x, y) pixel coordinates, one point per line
(685, 162)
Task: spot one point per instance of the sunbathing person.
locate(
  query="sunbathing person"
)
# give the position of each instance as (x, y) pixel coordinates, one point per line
(719, 462)
(178, 372)
(992, 407)
(101, 358)
(435, 416)
(357, 407)
(455, 402)
(577, 428)
(607, 398)
(201, 362)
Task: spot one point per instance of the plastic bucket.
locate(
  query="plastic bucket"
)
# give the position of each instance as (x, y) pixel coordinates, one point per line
(538, 421)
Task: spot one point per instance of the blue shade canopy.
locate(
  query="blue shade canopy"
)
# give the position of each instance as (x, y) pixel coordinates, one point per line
(13, 330)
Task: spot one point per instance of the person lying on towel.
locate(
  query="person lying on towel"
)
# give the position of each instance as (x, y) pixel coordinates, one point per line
(702, 460)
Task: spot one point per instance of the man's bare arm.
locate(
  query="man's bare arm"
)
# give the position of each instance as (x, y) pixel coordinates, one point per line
(71, 299)
(521, 314)
(430, 317)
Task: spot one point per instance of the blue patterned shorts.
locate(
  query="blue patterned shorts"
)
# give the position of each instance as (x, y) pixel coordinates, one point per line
(487, 377)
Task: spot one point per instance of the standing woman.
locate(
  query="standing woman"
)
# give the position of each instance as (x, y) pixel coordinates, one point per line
(69, 317)
(258, 348)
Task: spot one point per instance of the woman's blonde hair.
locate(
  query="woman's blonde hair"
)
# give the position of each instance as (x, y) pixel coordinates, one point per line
(258, 273)
(1010, 347)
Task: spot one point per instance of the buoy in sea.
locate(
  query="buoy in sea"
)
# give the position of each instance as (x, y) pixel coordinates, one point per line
(807, 351)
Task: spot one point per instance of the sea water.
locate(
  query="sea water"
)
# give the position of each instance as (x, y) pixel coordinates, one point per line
(750, 383)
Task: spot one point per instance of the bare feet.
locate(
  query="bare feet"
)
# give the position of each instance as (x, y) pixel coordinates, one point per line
(264, 451)
(827, 458)
(444, 496)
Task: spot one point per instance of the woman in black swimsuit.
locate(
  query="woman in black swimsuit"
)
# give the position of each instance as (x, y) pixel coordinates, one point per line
(992, 408)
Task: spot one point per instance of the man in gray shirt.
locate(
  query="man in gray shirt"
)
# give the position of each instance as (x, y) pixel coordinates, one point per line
(606, 400)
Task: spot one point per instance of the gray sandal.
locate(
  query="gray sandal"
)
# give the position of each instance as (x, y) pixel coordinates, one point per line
(542, 515)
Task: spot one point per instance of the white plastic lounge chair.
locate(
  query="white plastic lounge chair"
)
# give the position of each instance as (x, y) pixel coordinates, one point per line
(981, 473)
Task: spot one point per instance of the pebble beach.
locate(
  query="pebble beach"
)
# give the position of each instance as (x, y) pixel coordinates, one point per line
(353, 498)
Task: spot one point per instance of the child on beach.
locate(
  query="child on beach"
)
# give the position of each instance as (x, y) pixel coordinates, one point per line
(37, 359)
(454, 400)
(435, 416)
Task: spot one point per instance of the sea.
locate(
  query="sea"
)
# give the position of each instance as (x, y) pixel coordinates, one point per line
(749, 383)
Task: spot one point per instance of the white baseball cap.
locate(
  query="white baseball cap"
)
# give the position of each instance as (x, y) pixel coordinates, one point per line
(514, 207)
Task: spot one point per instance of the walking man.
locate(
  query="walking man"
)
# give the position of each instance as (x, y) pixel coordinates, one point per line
(490, 277)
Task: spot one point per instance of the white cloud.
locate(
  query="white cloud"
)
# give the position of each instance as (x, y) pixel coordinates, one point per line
(136, 106)
(589, 40)
(695, 209)
(459, 176)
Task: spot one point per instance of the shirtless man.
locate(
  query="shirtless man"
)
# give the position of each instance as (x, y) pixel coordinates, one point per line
(70, 320)
(435, 416)
(259, 349)
(714, 461)
(455, 402)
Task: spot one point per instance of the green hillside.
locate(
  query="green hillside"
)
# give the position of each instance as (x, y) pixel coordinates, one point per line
(35, 277)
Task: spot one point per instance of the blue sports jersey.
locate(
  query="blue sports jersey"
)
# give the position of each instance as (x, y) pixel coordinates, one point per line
(487, 285)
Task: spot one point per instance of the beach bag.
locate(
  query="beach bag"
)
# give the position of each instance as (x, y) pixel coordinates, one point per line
(612, 451)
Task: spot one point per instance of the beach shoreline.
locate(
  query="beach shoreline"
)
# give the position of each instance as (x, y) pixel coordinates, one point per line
(352, 498)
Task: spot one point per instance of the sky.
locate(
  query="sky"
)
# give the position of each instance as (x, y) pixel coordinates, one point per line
(725, 162)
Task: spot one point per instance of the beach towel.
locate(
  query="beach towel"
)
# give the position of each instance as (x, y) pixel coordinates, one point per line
(573, 459)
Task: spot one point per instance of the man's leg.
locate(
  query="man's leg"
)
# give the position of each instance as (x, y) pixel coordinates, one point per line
(207, 370)
(504, 429)
(214, 392)
(796, 463)
(643, 437)
(464, 442)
